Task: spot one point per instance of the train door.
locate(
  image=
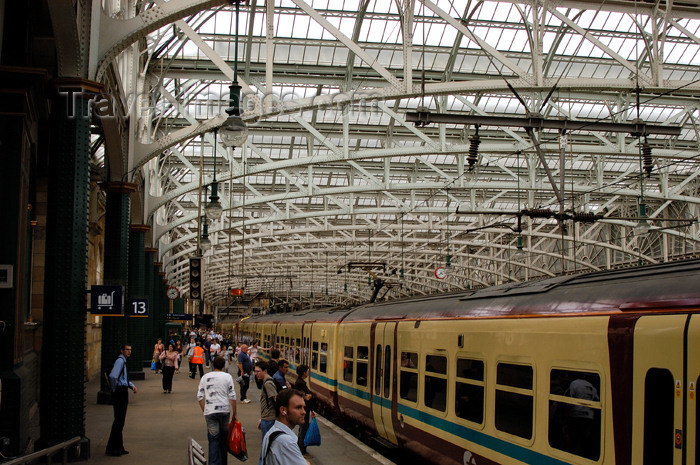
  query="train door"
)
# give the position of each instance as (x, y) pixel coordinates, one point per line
(306, 343)
(693, 405)
(382, 378)
(666, 362)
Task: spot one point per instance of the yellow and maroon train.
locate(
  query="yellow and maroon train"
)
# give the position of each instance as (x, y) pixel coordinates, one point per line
(598, 368)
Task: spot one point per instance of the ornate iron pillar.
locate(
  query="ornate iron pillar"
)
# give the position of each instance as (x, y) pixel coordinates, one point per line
(63, 371)
(162, 296)
(152, 332)
(136, 326)
(159, 315)
(116, 273)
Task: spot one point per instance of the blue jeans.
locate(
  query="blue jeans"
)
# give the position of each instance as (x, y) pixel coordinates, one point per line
(265, 426)
(217, 430)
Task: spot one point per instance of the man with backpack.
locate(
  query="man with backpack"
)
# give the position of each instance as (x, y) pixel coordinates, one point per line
(279, 446)
(268, 393)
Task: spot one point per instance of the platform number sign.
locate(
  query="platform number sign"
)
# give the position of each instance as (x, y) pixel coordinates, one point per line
(138, 308)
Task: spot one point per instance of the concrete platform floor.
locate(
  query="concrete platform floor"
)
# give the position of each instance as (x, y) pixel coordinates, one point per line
(159, 426)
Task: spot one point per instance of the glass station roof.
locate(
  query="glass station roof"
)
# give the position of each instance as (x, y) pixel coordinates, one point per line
(335, 172)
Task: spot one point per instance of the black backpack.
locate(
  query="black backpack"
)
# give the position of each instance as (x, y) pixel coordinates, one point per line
(273, 436)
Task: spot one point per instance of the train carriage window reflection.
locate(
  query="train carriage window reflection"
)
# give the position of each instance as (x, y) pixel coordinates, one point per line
(305, 352)
(469, 390)
(362, 360)
(297, 351)
(314, 355)
(514, 399)
(574, 412)
(408, 376)
(378, 369)
(348, 364)
(659, 394)
(323, 359)
(387, 371)
(435, 388)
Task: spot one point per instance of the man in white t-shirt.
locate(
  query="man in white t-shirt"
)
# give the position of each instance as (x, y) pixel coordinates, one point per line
(217, 397)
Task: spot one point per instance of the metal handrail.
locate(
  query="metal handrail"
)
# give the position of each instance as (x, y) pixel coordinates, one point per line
(48, 452)
(195, 453)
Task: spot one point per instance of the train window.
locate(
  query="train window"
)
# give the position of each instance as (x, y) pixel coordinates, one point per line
(514, 399)
(305, 351)
(574, 412)
(470, 369)
(435, 388)
(378, 369)
(314, 356)
(387, 371)
(348, 364)
(469, 389)
(362, 358)
(408, 377)
(362, 353)
(436, 364)
(323, 363)
(659, 394)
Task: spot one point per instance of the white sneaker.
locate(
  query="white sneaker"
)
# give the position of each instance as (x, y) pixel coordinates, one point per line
(246, 401)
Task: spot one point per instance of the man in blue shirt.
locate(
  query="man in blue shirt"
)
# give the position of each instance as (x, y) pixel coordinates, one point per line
(280, 443)
(120, 385)
(280, 376)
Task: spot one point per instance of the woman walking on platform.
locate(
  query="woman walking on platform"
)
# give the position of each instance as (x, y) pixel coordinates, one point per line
(170, 364)
(158, 349)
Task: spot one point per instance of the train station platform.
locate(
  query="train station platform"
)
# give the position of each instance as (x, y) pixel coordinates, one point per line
(159, 426)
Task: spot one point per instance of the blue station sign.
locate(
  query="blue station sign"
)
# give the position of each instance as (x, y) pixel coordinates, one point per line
(178, 317)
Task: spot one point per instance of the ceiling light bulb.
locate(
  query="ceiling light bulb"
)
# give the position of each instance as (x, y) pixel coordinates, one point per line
(519, 253)
(213, 209)
(205, 243)
(233, 132)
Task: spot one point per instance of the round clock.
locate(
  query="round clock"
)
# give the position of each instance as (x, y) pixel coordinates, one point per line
(173, 293)
(440, 272)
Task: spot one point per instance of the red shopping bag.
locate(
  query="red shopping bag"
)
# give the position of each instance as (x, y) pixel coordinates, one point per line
(236, 441)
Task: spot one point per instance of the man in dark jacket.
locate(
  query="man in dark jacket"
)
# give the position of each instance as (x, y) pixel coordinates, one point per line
(245, 368)
(300, 385)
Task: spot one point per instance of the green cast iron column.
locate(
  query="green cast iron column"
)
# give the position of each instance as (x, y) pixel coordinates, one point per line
(116, 273)
(164, 301)
(151, 333)
(63, 357)
(136, 326)
(158, 302)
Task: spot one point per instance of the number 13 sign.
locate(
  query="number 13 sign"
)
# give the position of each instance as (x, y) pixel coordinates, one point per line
(138, 307)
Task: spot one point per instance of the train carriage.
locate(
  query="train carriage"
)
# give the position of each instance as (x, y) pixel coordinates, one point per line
(310, 337)
(599, 368)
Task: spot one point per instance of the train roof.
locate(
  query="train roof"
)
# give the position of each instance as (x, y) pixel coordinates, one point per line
(667, 285)
(671, 286)
(321, 315)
